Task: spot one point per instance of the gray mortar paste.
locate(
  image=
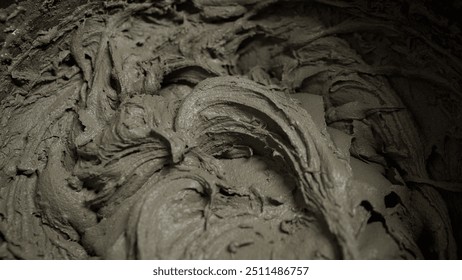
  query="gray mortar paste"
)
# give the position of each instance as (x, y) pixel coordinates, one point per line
(246, 129)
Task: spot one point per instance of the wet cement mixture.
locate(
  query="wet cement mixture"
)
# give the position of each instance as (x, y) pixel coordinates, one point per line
(245, 129)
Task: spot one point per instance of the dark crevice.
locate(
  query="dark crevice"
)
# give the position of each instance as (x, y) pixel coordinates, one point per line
(189, 75)
(6, 3)
(274, 202)
(449, 9)
(248, 55)
(226, 192)
(425, 243)
(115, 83)
(392, 163)
(188, 7)
(375, 216)
(2, 238)
(391, 200)
(280, 9)
(219, 20)
(367, 205)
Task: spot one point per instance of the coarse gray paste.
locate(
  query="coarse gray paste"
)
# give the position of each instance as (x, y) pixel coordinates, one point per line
(246, 129)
